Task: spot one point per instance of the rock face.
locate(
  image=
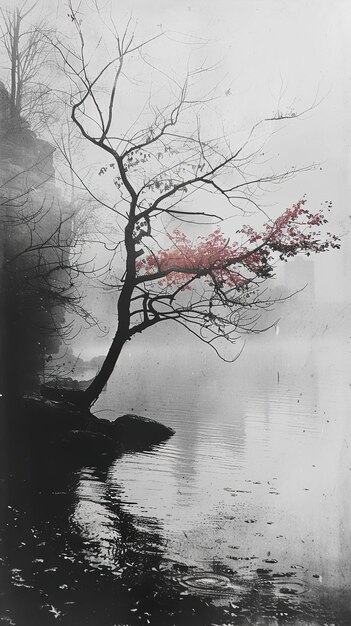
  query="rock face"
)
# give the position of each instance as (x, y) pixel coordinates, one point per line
(134, 431)
(64, 428)
(40, 414)
(35, 235)
(73, 395)
(87, 443)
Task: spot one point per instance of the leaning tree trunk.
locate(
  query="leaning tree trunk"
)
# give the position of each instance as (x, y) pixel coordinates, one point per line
(92, 393)
(122, 335)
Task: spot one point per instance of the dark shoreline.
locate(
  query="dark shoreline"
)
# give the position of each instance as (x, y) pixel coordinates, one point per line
(37, 425)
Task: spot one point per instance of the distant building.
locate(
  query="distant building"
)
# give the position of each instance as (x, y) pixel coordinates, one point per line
(299, 276)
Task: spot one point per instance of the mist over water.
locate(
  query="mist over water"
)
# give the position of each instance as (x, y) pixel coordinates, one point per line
(242, 515)
(260, 457)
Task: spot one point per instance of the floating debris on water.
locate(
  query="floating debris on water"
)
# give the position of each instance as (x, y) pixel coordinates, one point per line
(56, 613)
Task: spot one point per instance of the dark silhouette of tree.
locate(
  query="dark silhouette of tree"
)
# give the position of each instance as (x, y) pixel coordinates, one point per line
(165, 173)
(27, 75)
(40, 256)
(41, 230)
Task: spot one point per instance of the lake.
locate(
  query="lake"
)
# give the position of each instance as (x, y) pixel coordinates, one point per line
(242, 517)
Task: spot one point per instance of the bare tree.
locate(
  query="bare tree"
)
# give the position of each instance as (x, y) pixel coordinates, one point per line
(165, 173)
(27, 76)
(41, 266)
(41, 258)
(41, 250)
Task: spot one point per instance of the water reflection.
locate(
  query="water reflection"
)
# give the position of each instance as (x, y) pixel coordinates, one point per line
(241, 517)
(268, 478)
(95, 522)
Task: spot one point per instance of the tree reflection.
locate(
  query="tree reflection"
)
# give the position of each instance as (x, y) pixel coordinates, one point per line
(73, 553)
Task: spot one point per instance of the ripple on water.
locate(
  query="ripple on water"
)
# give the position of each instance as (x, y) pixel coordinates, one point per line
(282, 587)
(208, 583)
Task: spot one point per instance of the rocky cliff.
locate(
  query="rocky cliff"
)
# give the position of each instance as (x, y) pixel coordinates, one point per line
(35, 234)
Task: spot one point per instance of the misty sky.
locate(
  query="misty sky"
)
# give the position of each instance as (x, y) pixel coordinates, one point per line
(271, 55)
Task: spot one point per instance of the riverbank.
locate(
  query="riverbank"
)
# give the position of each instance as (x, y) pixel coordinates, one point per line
(34, 423)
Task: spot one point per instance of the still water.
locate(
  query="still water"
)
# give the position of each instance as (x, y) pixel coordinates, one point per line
(242, 517)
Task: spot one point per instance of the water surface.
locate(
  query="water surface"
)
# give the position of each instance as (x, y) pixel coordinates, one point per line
(243, 516)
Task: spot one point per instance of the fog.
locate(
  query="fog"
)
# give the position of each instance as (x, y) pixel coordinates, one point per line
(243, 515)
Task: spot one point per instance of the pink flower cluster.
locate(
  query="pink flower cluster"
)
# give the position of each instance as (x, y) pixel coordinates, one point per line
(236, 265)
(206, 256)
